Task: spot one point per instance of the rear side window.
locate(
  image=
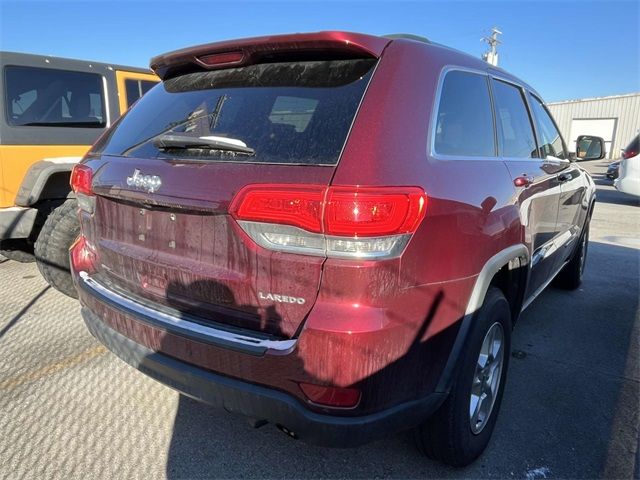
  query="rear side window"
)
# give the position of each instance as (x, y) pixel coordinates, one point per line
(515, 134)
(49, 97)
(293, 113)
(136, 88)
(464, 125)
(550, 139)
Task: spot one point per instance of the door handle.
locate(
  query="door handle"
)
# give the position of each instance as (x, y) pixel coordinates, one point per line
(523, 181)
(564, 177)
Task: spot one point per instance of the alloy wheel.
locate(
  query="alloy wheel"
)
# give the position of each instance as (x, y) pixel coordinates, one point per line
(486, 379)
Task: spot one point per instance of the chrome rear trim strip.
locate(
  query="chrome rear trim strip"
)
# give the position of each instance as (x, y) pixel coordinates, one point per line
(183, 326)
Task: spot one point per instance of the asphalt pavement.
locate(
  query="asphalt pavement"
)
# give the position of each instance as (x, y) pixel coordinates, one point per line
(70, 409)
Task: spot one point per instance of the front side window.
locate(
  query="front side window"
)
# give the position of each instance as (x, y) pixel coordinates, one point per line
(49, 97)
(515, 134)
(551, 144)
(464, 125)
(290, 112)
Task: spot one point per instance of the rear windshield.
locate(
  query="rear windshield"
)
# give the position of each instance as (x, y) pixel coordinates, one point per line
(292, 113)
(49, 97)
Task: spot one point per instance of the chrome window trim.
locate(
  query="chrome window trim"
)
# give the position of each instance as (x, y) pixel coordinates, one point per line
(434, 117)
(280, 346)
(490, 77)
(107, 109)
(523, 92)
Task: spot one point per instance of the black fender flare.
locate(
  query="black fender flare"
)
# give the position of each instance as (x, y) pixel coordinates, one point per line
(34, 183)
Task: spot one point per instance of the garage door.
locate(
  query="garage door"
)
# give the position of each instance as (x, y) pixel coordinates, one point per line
(599, 127)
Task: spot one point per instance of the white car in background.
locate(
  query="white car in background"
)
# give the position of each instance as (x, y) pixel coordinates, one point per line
(628, 180)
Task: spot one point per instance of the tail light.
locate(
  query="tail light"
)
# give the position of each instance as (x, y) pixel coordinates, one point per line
(360, 222)
(300, 207)
(83, 256)
(81, 184)
(372, 212)
(331, 396)
(81, 178)
(629, 153)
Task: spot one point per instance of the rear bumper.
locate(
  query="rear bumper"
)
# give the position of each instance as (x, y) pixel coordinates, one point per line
(16, 222)
(261, 402)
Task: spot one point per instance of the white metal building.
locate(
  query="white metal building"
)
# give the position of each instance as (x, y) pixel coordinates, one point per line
(616, 119)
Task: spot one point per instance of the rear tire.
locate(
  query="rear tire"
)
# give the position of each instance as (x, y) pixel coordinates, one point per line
(570, 277)
(18, 250)
(59, 231)
(459, 431)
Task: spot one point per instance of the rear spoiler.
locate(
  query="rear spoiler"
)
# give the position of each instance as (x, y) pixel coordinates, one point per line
(238, 53)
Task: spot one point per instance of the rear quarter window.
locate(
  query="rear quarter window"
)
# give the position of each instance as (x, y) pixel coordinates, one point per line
(464, 123)
(293, 113)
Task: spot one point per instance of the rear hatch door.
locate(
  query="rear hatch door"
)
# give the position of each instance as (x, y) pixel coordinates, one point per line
(166, 175)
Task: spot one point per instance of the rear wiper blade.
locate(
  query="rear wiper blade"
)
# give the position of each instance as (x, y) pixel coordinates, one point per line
(185, 142)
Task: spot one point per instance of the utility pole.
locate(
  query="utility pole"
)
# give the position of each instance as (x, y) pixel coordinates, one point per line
(491, 55)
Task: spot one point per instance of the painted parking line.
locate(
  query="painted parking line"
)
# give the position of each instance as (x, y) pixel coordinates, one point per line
(69, 362)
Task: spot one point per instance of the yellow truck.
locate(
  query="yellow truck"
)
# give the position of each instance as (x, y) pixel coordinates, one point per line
(53, 110)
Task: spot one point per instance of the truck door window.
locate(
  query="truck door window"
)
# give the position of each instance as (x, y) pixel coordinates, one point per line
(49, 97)
(136, 88)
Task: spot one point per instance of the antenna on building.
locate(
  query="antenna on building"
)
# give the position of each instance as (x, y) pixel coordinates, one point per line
(491, 55)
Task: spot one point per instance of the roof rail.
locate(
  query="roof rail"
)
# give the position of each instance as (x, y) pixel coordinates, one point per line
(407, 36)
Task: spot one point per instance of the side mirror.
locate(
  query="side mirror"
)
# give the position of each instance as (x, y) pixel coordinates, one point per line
(589, 147)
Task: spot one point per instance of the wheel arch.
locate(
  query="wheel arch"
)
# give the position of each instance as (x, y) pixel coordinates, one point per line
(506, 266)
(47, 179)
(510, 264)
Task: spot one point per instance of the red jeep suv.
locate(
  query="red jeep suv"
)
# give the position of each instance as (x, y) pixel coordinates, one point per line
(332, 232)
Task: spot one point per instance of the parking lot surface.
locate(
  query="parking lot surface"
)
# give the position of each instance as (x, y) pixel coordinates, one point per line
(70, 409)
